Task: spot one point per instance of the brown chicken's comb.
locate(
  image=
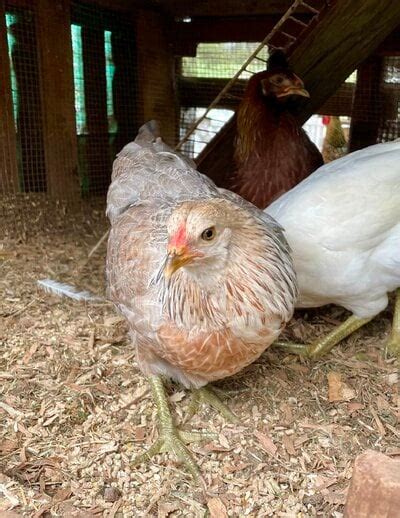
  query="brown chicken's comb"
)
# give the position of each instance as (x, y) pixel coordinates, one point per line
(277, 59)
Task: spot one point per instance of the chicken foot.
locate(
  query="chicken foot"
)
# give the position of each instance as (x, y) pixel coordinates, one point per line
(326, 344)
(393, 345)
(208, 395)
(170, 438)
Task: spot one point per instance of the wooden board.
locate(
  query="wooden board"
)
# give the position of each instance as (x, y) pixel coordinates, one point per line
(199, 91)
(221, 8)
(59, 132)
(368, 104)
(156, 87)
(96, 142)
(216, 29)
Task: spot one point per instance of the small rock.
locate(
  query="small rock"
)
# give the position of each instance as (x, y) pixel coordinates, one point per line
(111, 494)
(374, 488)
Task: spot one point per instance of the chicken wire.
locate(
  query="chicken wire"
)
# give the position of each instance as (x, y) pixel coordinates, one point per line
(201, 77)
(25, 87)
(106, 115)
(109, 106)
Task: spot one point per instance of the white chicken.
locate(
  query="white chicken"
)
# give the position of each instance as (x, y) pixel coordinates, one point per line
(343, 225)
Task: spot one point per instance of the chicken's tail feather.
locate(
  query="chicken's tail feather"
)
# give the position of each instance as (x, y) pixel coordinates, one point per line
(150, 128)
(66, 290)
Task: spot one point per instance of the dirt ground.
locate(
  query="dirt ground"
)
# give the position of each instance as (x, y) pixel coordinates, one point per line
(74, 409)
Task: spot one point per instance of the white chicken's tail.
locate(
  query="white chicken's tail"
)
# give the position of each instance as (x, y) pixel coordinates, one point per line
(149, 131)
(66, 290)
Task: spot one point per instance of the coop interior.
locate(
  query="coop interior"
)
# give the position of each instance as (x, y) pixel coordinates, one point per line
(77, 80)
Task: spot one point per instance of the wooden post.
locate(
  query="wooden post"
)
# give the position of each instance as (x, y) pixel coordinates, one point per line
(8, 144)
(367, 106)
(97, 140)
(60, 141)
(157, 95)
(124, 88)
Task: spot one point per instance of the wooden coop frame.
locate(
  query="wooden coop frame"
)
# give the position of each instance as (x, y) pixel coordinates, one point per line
(324, 57)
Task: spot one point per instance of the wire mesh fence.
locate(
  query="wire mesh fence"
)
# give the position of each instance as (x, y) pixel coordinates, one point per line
(25, 88)
(117, 83)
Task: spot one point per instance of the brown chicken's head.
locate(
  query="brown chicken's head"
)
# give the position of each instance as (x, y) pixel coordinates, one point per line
(199, 235)
(278, 82)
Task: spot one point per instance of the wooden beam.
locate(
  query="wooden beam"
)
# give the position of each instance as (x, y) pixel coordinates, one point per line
(8, 142)
(124, 87)
(345, 36)
(368, 104)
(343, 39)
(216, 29)
(390, 46)
(200, 92)
(59, 133)
(340, 103)
(228, 29)
(156, 88)
(224, 8)
(96, 142)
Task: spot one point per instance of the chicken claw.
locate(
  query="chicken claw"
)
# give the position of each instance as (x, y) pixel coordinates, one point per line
(171, 439)
(393, 345)
(207, 395)
(325, 344)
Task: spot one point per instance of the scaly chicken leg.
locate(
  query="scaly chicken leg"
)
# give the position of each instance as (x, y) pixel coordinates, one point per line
(171, 439)
(207, 395)
(326, 344)
(393, 345)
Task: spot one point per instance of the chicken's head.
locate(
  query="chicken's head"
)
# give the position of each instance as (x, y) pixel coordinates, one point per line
(278, 82)
(282, 84)
(199, 238)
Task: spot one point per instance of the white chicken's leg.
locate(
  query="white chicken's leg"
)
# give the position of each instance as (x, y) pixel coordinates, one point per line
(393, 345)
(326, 344)
(171, 439)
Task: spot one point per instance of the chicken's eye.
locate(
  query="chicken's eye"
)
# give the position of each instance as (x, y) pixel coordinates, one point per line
(208, 234)
(277, 80)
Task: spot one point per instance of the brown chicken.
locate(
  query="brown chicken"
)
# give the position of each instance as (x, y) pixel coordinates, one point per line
(335, 143)
(272, 152)
(204, 278)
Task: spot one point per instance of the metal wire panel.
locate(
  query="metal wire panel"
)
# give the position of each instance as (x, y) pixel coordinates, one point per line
(26, 95)
(389, 127)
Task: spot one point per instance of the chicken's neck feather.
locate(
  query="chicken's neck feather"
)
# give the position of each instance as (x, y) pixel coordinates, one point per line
(273, 153)
(260, 125)
(256, 282)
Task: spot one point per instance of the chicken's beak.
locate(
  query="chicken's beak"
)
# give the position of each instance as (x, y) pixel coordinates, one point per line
(293, 90)
(177, 257)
